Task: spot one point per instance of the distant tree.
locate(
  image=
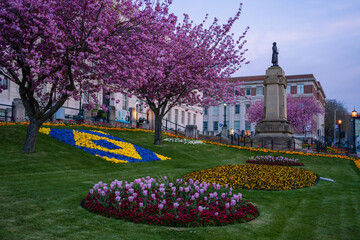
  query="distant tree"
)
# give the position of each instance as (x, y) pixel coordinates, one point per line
(55, 49)
(300, 112)
(342, 113)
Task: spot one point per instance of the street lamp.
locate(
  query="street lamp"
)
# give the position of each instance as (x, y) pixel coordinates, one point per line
(353, 116)
(339, 123)
(225, 115)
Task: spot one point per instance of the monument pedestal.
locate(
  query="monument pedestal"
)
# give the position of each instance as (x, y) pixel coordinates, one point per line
(274, 131)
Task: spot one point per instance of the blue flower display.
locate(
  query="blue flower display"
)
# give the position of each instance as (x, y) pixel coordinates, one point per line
(104, 145)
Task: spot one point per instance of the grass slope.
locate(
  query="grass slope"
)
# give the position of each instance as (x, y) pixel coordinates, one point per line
(40, 193)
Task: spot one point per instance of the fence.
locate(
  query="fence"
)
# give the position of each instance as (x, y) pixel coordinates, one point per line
(7, 114)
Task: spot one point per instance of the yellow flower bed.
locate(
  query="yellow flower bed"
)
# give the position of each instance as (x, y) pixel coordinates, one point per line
(256, 177)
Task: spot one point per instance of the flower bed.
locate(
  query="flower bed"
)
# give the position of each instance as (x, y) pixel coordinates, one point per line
(183, 140)
(166, 203)
(256, 177)
(104, 145)
(272, 160)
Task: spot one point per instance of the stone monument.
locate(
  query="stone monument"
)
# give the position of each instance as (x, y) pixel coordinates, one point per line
(274, 131)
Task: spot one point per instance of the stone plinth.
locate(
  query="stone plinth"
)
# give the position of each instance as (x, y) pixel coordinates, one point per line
(190, 131)
(274, 131)
(19, 110)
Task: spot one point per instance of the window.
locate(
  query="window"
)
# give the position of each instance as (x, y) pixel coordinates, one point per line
(3, 81)
(259, 90)
(205, 111)
(237, 91)
(247, 107)
(169, 115)
(194, 119)
(125, 101)
(205, 126)
(189, 118)
(216, 110)
(236, 125)
(176, 115)
(237, 109)
(248, 91)
(247, 126)
(215, 125)
(288, 89)
(182, 117)
(300, 89)
(227, 110)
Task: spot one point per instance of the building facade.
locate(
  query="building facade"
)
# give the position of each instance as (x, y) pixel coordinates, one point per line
(121, 109)
(252, 90)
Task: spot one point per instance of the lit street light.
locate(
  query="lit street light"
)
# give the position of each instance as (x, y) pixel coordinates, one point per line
(353, 117)
(339, 123)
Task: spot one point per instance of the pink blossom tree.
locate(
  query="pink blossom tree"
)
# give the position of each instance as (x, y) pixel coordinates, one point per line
(187, 64)
(55, 49)
(300, 112)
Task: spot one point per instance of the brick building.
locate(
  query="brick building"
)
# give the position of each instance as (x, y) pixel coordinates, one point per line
(304, 85)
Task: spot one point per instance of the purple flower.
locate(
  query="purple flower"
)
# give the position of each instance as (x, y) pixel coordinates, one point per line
(233, 202)
(173, 189)
(141, 204)
(131, 191)
(223, 195)
(131, 199)
(171, 184)
(91, 191)
(181, 189)
(103, 193)
(117, 193)
(176, 205)
(161, 206)
(145, 193)
(205, 198)
(153, 196)
(200, 208)
(118, 198)
(227, 205)
(165, 178)
(216, 214)
(187, 189)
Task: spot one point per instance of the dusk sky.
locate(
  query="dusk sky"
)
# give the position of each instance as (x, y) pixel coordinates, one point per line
(320, 37)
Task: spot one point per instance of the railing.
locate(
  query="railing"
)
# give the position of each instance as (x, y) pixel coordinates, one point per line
(5, 116)
(174, 127)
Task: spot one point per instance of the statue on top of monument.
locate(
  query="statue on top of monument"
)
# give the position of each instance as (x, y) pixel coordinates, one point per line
(275, 54)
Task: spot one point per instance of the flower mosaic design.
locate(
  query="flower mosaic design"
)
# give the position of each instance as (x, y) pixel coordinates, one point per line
(256, 177)
(103, 145)
(176, 204)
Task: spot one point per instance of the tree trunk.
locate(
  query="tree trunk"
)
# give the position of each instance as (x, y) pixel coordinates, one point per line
(31, 136)
(158, 125)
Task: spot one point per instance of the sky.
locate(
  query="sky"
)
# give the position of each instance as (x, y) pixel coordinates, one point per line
(319, 37)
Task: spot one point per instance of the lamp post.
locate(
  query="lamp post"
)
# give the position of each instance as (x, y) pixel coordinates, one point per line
(225, 115)
(339, 123)
(353, 116)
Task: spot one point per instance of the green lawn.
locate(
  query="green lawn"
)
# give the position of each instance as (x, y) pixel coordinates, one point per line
(40, 193)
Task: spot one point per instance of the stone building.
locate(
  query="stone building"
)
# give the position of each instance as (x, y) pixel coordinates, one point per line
(304, 85)
(122, 109)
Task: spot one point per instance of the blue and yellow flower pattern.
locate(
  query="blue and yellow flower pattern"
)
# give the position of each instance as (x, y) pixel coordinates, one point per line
(103, 145)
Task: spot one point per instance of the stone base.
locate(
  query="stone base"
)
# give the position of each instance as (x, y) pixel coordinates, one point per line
(276, 127)
(276, 142)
